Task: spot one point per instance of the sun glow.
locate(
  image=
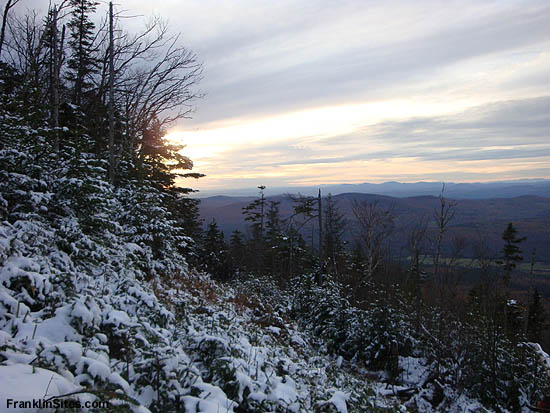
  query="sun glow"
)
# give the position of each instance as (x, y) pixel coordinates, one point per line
(205, 146)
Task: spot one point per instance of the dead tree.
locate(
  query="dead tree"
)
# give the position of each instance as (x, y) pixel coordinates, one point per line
(320, 224)
(111, 97)
(56, 53)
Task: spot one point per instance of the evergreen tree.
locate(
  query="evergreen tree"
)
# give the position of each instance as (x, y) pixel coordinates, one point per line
(82, 63)
(161, 161)
(273, 239)
(309, 208)
(298, 257)
(214, 252)
(511, 251)
(255, 214)
(237, 251)
(186, 215)
(356, 266)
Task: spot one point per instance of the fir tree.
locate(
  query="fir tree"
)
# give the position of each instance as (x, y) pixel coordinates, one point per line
(160, 161)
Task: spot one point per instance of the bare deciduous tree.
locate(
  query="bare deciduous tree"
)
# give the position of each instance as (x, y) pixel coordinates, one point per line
(149, 78)
(26, 50)
(9, 5)
(156, 80)
(416, 244)
(442, 217)
(375, 226)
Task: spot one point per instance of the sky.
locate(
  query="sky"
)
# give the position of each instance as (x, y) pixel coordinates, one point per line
(303, 92)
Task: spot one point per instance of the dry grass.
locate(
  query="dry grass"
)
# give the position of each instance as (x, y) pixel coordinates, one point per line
(245, 302)
(167, 288)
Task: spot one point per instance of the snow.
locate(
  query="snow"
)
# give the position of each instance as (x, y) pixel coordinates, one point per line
(413, 370)
(214, 397)
(23, 382)
(117, 318)
(197, 405)
(4, 338)
(97, 369)
(544, 357)
(338, 400)
(53, 330)
(69, 351)
(98, 306)
(17, 268)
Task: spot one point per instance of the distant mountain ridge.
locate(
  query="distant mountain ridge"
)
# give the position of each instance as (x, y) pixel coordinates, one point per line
(468, 190)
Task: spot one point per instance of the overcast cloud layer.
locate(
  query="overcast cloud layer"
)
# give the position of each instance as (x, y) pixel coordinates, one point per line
(311, 92)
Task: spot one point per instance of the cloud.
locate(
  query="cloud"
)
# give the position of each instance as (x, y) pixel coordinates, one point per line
(379, 55)
(328, 90)
(507, 138)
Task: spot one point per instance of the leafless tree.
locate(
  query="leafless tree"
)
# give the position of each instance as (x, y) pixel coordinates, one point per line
(25, 50)
(9, 5)
(459, 244)
(442, 217)
(376, 224)
(150, 79)
(416, 244)
(156, 80)
(484, 260)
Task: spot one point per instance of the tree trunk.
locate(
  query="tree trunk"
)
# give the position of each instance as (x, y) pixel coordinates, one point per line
(56, 71)
(9, 5)
(320, 216)
(111, 98)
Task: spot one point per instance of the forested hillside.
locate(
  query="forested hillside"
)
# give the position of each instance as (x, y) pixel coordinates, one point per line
(473, 219)
(111, 293)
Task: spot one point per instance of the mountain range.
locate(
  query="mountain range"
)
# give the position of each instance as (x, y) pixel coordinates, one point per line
(468, 190)
(475, 220)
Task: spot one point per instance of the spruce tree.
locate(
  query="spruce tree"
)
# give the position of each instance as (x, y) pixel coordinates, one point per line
(273, 238)
(511, 252)
(237, 251)
(82, 63)
(214, 252)
(255, 214)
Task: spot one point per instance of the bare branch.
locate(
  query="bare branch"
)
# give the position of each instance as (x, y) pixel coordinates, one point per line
(9, 5)
(375, 226)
